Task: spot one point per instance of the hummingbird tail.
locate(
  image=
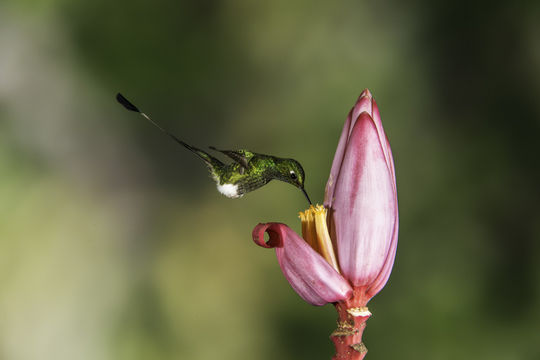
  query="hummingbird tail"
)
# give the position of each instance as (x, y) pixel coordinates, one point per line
(210, 161)
(126, 103)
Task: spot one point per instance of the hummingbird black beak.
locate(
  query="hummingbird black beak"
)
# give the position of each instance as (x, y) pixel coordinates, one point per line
(307, 197)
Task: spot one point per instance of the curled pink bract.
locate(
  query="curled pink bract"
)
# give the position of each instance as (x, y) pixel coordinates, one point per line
(308, 272)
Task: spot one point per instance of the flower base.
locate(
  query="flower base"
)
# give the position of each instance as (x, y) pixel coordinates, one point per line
(347, 338)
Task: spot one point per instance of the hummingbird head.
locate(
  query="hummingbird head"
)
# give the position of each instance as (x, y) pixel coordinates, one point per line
(292, 172)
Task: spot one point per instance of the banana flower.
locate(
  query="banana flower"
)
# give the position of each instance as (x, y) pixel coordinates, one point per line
(348, 246)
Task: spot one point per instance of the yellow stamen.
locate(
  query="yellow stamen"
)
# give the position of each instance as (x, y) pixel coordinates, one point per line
(308, 227)
(325, 242)
(315, 232)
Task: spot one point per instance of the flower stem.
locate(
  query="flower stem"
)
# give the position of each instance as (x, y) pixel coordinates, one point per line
(352, 317)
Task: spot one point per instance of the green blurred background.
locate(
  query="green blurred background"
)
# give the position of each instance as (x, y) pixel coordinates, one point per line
(114, 244)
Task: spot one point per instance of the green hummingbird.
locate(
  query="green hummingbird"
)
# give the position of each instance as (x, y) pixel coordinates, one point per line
(248, 170)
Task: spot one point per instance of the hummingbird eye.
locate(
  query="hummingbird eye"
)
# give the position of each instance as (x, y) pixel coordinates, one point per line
(292, 174)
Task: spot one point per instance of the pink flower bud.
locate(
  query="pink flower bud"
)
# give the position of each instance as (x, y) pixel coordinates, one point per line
(363, 201)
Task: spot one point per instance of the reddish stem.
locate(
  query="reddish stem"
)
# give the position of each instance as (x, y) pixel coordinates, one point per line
(352, 317)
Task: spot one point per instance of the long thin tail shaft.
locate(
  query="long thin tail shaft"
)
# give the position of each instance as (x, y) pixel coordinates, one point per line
(128, 105)
(210, 160)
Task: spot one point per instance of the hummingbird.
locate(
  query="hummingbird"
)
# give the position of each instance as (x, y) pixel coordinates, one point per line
(248, 171)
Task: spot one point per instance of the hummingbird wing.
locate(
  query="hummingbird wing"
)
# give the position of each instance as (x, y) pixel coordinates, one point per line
(242, 157)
